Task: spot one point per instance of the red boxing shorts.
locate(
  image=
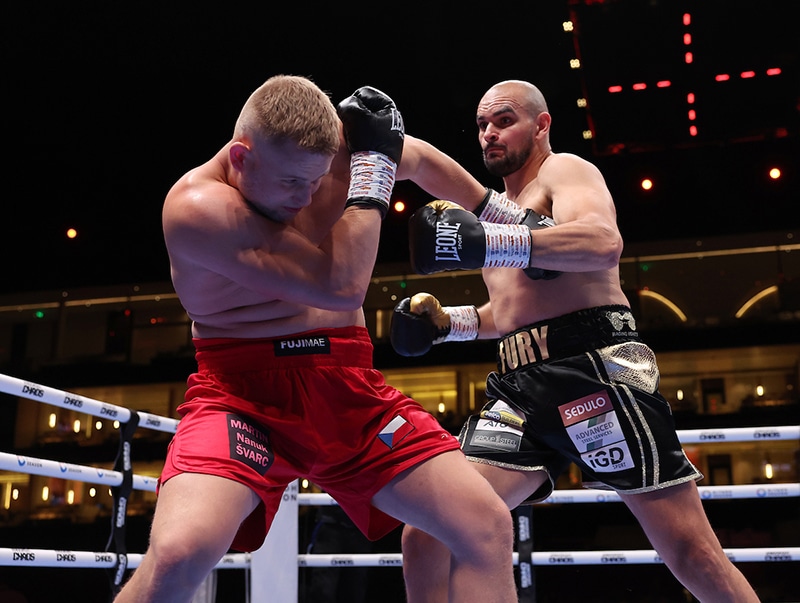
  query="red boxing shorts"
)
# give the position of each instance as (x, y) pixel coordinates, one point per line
(264, 412)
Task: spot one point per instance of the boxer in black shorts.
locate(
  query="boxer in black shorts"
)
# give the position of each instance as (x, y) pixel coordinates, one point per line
(579, 388)
(574, 382)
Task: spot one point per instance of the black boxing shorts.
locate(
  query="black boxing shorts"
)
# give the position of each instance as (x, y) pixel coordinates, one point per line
(580, 388)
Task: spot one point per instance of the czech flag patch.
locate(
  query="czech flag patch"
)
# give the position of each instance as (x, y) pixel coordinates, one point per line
(395, 431)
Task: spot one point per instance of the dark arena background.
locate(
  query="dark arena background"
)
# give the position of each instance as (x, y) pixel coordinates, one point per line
(691, 110)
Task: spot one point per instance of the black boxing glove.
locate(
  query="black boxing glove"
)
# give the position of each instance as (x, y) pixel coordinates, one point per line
(445, 236)
(499, 209)
(420, 322)
(372, 123)
(535, 221)
(374, 132)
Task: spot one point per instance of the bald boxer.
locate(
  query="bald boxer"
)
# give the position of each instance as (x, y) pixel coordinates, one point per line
(574, 382)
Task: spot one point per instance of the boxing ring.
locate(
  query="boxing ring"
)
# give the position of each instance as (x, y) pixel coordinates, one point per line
(274, 574)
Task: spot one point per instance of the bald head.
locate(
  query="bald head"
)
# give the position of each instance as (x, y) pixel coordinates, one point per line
(519, 93)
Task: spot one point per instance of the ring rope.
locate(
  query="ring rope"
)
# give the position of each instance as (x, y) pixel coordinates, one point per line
(90, 559)
(90, 406)
(83, 473)
(738, 434)
(64, 399)
(591, 495)
(87, 559)
(94, 475)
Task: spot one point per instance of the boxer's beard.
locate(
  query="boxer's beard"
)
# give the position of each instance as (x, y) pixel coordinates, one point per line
(509, 163)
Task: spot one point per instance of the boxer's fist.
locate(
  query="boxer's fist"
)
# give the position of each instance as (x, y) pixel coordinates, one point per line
(421, 321)
(372, 123)
(412, 333)
(445, 236)
(373, 129)
(535, 221)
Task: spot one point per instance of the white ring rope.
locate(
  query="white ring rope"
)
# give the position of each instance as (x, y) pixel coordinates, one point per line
(57, 397)
(590, 495)
(94, 475)
(610, 557)
(100, 560)
(84, 559)
(81, 473)
(64, 399)
(738, 434)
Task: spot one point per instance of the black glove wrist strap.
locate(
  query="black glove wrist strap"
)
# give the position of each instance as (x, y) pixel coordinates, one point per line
(368, 203)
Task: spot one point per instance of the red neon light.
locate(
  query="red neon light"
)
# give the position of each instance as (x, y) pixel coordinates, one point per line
(722, 77)
(747, 74)
(692, 130)
(687, 19)
(687, 39)
(692, 114)
(690, 98)
(613, 89)
(688, 57)
(640, 86)
(663, 84)
(774, 71)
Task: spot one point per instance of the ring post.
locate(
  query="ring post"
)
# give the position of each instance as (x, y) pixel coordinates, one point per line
(524, 523)
(274, 573)
(122, 494)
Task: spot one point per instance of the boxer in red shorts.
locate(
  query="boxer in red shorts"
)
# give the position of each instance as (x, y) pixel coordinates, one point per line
(286, 404)
(272, 244)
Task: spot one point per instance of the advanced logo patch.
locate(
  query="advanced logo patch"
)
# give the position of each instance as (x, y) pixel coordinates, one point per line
(395, 431)
(592, 425)
(249, 443)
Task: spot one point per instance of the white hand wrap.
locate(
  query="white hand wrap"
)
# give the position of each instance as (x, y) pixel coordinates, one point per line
(464, 323)
(372, 175)
(499, 209)
(507, 245)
